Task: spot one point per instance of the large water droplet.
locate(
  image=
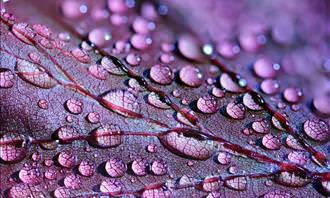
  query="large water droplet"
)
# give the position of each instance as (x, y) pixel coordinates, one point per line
(106, 136)
(13, 147)
(112, 68)
(115, 167)
(237, 183)
(29, 175)
(97, 71)
(100, 37)
(121, 101)
(161, 74)
(298, 157)
(317, 129)
(249, 102)
(139, 167)
(229, 84)
(186, 146)
(321, 105)
(260, 126)
(86, 168)
(6, 78)
(208, 104)
(291, 179)
(236, 110)
(140, 41)
(74, 106)
(66, 159)
(35, 74)
(190, 48)
(24, 32)
(191, 76)
(293, 143)
(224, 158)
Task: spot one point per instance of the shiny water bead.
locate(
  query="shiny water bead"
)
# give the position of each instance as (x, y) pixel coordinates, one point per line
(265, 68)
(228, 49)
(29, 175)
(208, 104)
(260, 126)
(117, 6)
(118, 19)
(6, 78)
(24, 32)
(11, 153)
(166, 58)
(86, 168)
(73, 9)
(293, 143)
(140, 41)
(106, 136)
(292, 94)
(270, 86)
(189, 47)
(97, 71)
(207, 49)
(191, 76)
(251, 42)
(115, 167)
(72, 181)
(317, 130)
(74, 106)
(291, 179)
(218, 92)
(158, 167)
(142, 26)
(298, 157)
(93, 117)
(25, 190)
(111, 186)
(249, 102)
(133, 59)
(154, 100)
(161, 74)
(229, 84)
(321, 105)
(211, 184)
(66, 159)
(42, 30)
(224, 158)
(236, 110)
(139, 166)
(81, 56)
(271, 142)
(112, 68)
(100, 37)
(237, 183)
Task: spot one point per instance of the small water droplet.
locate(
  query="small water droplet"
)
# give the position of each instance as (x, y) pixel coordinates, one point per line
(112, 68)
(16, 150)
(133, 59)
(166, 58)
(189, 47)
(117, 6)
(191, 76)
(97, 71)
(63, 192)
(292, 94)
(72, 181)
(277, 194)
(152, 148)
(74, 106)
(229, 84)
(66, 159)
(140, 41)
(298, 157)
(250, 103)
(224, 158)
(111, 186)
(321, 105)
(93, 117)
(228, 49)
(73, 9)
(260, 126)
(100, 37)
(139, 166)
(264, 68)
(211, 184)
(218, 92)
(50, 174)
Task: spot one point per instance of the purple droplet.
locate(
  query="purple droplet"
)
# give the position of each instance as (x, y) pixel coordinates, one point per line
(228, 49)
(100, 37)
(191, 76)
(250, 103)
(190, 48)
(140, 41)
(229, 84)
(161, 74)
(322, 105)
(97, 71)
(74, 106)
(117, 6)
(271, 142)
(133, 59)
(115, 167)
(270, 86)
(292, 94)
(265, 68)
(317, 130)
(236, 110)
(6, 78)
(207, 104)
(73, 9)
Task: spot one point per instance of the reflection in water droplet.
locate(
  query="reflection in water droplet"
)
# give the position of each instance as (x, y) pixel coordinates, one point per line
(93, 117)
(236, 110)
(190, 48)
(291, 179)
(72, 181)
(111, 67)
(265, 68)
(271, 142)
(140, 41)
(154, 100)
(86, 168)
(260, 126)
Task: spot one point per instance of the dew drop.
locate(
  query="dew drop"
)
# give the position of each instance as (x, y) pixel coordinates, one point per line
(29, 175)
(93, 117)
(24, 190)
(133, 59)
(249, 102)
(117, 6)
(73, 9)
(158, 167)
(298, 157)
(182, 119)
(152, 148)
(321, 105)
(63, 192)
(51, 145)
(7, 17)
(277, 194)
(72, 181)
(139, 167)
(229, 84)
(208, 104)
(111, 67)
(66, 134)
(236, 110)
(115, 167)
(64, 36)
(189, 147)
(13, 147)
(260, 126)
(271, 142)
(81, 56)
(140, 41)
(211, 184)
(24, 32)
(228, 49)
(166, 58)
(122, 102)
(224, 158)
(218, 92)
(74, 106)
(97, 71)
(142, 26)
(277, 124)
(6, 78)
(270, 87)
(66, 159)
(191, 76)
(161, 74)
(291, 180)
(293, 143)
(50, 174)
(189, 47)
(35, 74)
(86, 168)
(292, 94)
(154, 100)
(237, 183)
(99, 37)
(264, 68)
(106, 136)
(317, 130)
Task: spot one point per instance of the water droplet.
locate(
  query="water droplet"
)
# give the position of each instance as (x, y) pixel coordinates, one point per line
(321, 105)
(264, 68)
(207, 49)
(122, 102)
(293, 143)
(74, 106)
(317, 130)
(86, 46)
(260, 126)
(73, 9)
(93, 117)
(142, 26)
(66, 159)
(298, 157)
(250, 103)
(154, 100)
(291, 179)
(232, 169)
(115, 167)
(6, 78)
(13, 147)
(326, 186)
(152, 148)
(117, 19)
(23, 32)
(277, 194)
(29, 175)
(208, 104)
(106, 136)
(218, 92)
(224, 158)
(25, 190)
(189, 47)
(271, 142)
(42, 30)
(117, 6)
(97, 71)
(228, 49)
(36, 156)
(86, 168)
(236, 110)
(154, 192)
(211, 184)
(166, 58)
(237, 183)
(158, 167)
(292, 95)
(81, 56)
(140, 41)
(176, 93)
(213, 195)
(99, 37)
(161, 74)
(50, 174)
(191, 76)
(72, 181)
(35, 74)
(7, 17)
(63, 192)
(51, 145)
(111, 67)
(229, 84)
(189, 147)
(133, 59)
(251, 42)
(270, 86)
(139, 167)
